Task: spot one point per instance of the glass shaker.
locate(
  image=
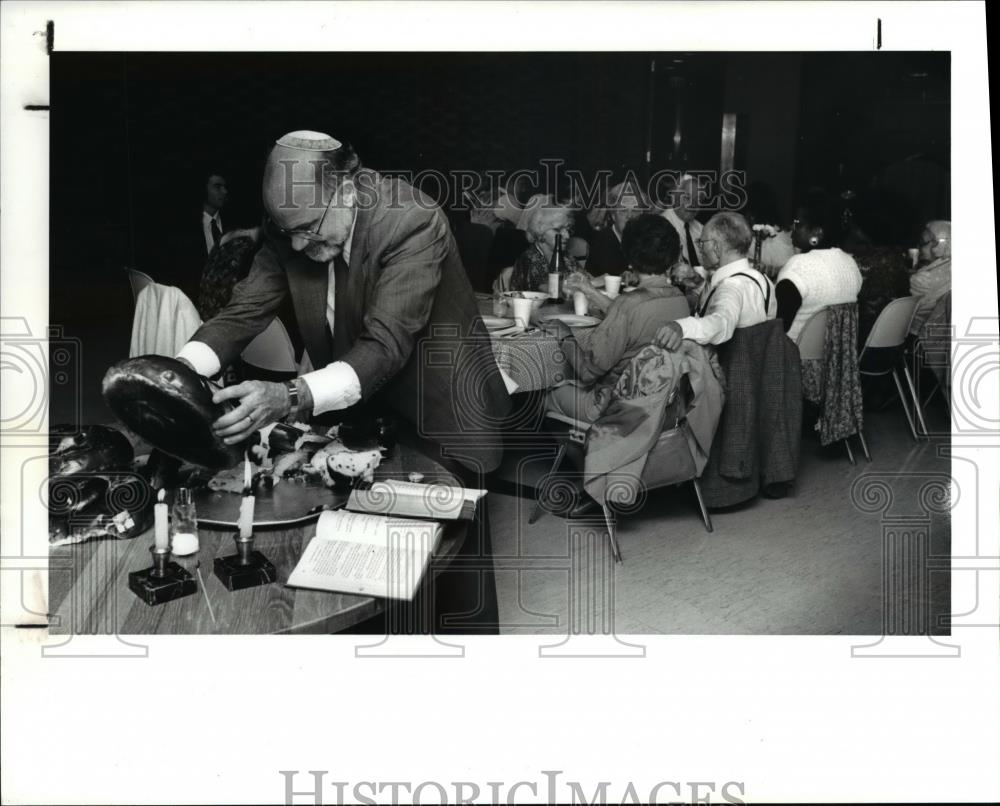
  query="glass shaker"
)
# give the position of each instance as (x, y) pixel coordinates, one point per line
(183, 525)
(499, 304)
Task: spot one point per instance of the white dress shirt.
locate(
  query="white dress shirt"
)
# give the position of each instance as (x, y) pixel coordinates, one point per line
(732, 303)
(333, 387)
(206, 227)
(695, 226)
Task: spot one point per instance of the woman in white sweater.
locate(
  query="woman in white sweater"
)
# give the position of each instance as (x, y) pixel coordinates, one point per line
(819, 276)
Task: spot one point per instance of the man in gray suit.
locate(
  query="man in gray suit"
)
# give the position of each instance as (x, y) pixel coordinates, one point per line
(384, 307)
(378, 287)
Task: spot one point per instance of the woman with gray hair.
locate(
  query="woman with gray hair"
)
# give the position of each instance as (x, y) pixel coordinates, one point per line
(542, 220)
(932, 279)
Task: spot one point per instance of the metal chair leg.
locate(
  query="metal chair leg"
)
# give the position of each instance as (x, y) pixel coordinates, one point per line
(934, 389)
(864, 445)
(701, 505)
(537, 512)
(902, 400)
(916, 402)
(850, 453)
(610, 523)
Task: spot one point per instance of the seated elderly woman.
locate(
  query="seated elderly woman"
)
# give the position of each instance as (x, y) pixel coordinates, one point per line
(542, 220)
(932, 279)
(625, 202)
(652, 247)
(820, 276)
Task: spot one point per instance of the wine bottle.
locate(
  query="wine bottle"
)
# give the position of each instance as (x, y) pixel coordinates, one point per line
(556, 270)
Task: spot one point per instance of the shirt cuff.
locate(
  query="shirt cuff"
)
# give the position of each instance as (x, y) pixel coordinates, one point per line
(335, 386)
(202, 358)
(686, 325)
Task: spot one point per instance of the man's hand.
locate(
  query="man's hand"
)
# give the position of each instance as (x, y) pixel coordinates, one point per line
(630, 277)
(261, 403)
(670, 336)
(578, 281)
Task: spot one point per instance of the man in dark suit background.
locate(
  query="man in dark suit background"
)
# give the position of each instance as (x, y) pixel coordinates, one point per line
(384, 307)
(190, 236)
(216, 196)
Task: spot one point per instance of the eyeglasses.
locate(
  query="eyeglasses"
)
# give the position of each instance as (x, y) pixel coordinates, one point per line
(309, 234)
(703, 242)
(932, 241)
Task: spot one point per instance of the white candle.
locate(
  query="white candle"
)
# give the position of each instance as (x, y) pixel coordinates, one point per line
(247, 503)
(246, 516)
(161, 537)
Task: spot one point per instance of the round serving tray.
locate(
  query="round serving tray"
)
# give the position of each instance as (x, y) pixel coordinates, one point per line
(287, 503)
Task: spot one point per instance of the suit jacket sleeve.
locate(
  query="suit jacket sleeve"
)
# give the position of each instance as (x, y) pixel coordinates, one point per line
(254, 303)
(416, 245)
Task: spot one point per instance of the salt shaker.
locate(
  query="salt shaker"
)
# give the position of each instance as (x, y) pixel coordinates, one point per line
(183, 525)
(499, 304)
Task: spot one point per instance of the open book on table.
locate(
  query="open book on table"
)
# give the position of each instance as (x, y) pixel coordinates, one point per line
(370, 555)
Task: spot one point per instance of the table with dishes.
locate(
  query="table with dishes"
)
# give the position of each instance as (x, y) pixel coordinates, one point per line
(529, 357)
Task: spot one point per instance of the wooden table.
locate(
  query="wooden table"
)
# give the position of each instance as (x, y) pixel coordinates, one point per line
(89, 594)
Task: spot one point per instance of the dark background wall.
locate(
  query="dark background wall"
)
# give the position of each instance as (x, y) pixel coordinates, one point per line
(132, 135)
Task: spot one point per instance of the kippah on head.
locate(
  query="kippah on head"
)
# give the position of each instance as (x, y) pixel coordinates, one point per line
(305, 140)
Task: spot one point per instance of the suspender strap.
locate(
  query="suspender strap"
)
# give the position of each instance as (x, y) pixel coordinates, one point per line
(766, 294)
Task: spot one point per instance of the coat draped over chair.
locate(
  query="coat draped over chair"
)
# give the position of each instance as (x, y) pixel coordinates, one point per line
(759, 435)
(644, 404)
(163, 322)
(833, 383)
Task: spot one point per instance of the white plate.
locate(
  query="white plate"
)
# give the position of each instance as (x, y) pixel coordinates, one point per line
(573, 320)
(497, 322)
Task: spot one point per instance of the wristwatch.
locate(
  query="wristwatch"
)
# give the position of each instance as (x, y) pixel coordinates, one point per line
(293, 397)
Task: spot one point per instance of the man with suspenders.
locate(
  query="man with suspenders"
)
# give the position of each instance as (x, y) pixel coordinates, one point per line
(735, 295)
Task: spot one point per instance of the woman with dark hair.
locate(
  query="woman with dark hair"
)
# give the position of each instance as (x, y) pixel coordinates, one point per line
(821, 274)
(652, 247)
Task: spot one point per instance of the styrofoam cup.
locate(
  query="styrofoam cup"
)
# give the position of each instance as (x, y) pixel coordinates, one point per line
(521, 311)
